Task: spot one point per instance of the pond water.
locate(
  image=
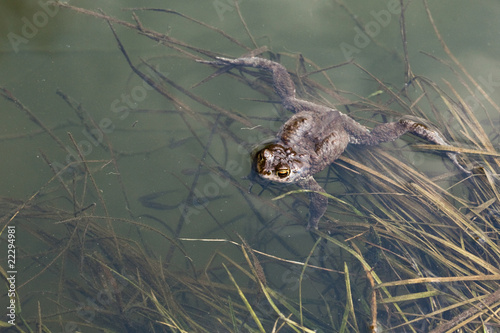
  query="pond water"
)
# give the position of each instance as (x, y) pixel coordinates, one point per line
(176, 166)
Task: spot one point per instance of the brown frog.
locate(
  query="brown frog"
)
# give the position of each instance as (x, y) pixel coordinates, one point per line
(316, 135)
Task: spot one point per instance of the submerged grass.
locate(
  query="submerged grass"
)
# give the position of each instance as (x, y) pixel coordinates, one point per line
(401, 251)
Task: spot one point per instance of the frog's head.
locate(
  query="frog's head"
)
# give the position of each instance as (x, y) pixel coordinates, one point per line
(279, 163)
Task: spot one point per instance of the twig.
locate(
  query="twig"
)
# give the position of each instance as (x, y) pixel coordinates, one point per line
(237, 6)
(402, 23)
(10, 97)
(170, 11)
(97, 190)
(463, 316)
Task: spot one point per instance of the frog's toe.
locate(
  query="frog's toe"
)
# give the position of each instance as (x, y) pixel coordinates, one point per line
(453, 157)
(313, 224)
(220, 61)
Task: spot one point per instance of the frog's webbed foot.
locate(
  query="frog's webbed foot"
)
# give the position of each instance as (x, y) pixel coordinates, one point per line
(220, 61)
(318, 203)
(429, 132)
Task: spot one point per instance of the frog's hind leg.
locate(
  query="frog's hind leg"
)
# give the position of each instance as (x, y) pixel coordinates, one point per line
(392, 131)
(283, 83)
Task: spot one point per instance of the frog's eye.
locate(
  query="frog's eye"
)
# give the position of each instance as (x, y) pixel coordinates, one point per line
(282, 173)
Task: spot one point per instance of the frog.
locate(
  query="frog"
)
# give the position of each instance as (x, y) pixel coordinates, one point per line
(316, 135)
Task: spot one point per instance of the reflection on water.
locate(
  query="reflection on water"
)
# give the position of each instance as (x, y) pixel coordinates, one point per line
(127, 182)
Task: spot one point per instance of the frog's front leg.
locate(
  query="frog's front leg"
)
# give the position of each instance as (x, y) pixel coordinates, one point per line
(318, 202)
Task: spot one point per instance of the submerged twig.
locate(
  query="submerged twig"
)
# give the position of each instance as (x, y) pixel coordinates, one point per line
(461, 319)
(10, 97)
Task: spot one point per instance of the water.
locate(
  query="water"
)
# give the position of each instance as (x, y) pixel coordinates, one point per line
(44, 49)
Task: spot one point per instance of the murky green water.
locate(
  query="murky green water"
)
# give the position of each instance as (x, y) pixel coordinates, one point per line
(44, 50)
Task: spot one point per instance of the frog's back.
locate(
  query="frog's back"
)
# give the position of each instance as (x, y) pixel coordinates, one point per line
(307, 129)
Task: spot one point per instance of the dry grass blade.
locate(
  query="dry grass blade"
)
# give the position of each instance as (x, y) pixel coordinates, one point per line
(291, 324)
(440, 280)
(245, 301)
(349, 302)
(254, 263)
